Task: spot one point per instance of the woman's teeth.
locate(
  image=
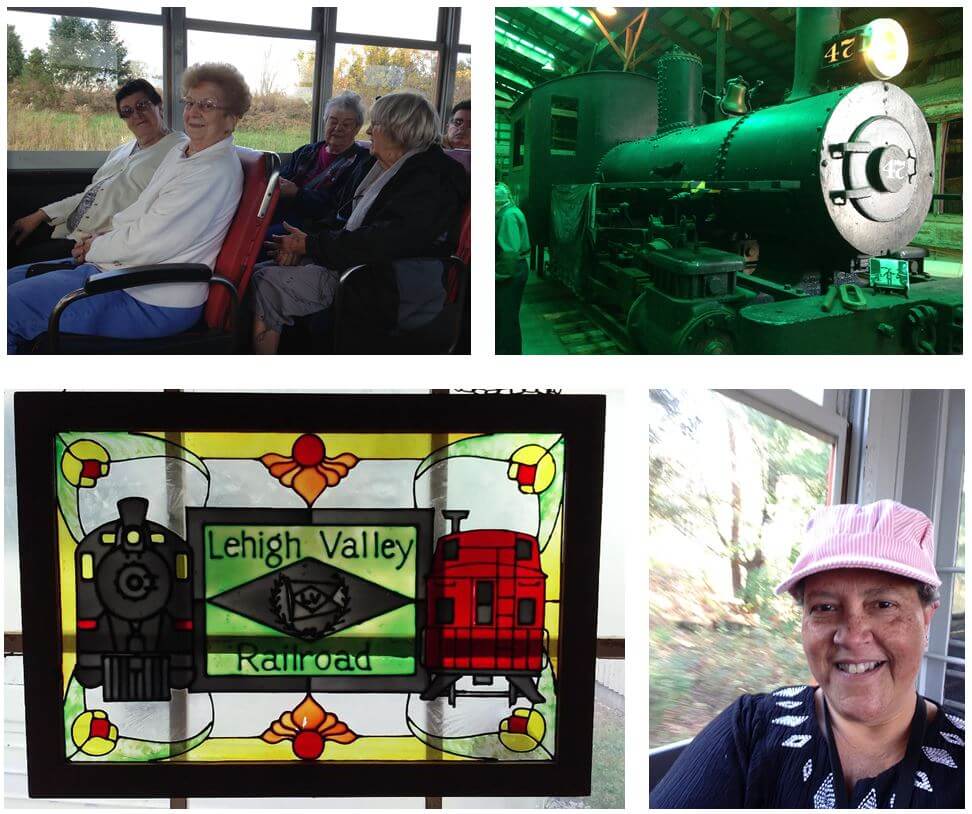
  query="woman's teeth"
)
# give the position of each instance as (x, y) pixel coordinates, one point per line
(860, 667)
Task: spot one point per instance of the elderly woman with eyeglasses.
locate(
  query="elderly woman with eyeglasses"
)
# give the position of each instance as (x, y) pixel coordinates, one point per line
(320, 177)
(54, 229)
(182, 216)
(859, 736)
(409, 205)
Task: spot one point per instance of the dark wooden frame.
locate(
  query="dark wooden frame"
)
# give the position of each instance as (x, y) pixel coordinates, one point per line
(38, 416)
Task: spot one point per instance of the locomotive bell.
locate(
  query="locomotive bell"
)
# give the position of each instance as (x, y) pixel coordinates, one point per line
(734, 98)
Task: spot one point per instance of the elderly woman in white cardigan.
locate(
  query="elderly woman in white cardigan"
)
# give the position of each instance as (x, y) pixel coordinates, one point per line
(182, 216)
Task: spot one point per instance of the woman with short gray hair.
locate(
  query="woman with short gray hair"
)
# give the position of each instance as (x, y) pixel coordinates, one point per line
(410, 204)
(322, 176)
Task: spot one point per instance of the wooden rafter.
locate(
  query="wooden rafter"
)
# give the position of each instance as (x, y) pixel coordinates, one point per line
(735, 41)
(783, 32)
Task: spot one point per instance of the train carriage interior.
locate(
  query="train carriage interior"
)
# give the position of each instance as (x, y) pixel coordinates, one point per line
(747, 180)
(64, 67)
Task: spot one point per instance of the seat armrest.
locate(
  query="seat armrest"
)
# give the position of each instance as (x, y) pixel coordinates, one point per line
(153, 274)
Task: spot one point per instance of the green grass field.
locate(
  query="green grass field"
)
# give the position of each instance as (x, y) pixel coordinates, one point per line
(51, 130)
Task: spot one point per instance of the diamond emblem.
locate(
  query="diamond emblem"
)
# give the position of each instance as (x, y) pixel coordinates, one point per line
(824, 796)
(309, 599)
(789, 704)
(936, 755)
(957, 722)
(953, 739)
(870, 800)
(789, 692)
(921, 781)
(790, 720)
(796, 741)
(807, 769)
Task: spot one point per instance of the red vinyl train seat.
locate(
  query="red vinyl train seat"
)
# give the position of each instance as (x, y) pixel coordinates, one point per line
(216, 331)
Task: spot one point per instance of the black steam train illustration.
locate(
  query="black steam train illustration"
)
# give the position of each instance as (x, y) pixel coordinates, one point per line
(485, 600)
(134, 608)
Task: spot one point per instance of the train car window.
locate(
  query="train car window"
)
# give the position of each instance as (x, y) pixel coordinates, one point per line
(61, 76)
(420, 23)
(373, 71)
(484, 603)
(563, 125)
(450, 550)
(524, 548)
(280, 74)
(462, 88)
(526, 612)
(445, 611)
(285, 15)
(952, 165)
(519, 147)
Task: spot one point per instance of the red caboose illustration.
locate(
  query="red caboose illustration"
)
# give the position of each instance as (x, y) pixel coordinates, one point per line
(485, 612)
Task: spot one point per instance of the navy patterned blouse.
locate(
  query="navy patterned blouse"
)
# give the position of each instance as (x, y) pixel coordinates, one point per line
(767, 751)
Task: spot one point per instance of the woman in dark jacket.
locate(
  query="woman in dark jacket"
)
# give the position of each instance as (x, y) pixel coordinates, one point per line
(322, 176)
(409, 205)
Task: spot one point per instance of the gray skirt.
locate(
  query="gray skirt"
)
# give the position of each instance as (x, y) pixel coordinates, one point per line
(281, 293)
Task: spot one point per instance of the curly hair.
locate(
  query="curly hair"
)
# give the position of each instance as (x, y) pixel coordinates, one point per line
(237, 98)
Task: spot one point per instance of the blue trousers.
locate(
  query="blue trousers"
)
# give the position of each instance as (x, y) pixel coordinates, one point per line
(115, 314)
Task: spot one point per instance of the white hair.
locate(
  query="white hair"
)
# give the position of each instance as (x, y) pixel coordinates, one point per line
(347, 100)
(408, 119)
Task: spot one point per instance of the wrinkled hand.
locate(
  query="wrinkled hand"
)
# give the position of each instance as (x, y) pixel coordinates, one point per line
(288, 189)
(81, 249)
(281, 257)
(293, 243)
(21, 228)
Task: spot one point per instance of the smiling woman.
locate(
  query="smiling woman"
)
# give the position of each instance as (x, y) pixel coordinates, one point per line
(862, 738)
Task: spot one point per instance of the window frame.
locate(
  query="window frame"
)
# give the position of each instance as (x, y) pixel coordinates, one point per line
(322, 32)
(580, 419)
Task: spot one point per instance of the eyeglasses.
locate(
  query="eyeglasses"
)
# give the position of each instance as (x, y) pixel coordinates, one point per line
(140, 107)
(459, 122)
(206, 105)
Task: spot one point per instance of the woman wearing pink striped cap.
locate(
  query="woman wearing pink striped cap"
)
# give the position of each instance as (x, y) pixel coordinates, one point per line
(861, 737)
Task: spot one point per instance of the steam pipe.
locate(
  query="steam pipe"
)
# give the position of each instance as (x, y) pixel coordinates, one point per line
(814, 28)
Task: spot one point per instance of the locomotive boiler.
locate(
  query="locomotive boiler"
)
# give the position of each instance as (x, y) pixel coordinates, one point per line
(778, 230)
(134, 607)
(485, 599)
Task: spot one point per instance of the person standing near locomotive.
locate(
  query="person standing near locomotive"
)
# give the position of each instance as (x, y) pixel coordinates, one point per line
(512, 269)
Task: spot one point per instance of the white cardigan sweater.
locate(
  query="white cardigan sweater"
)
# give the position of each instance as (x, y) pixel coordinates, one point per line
(124, 175)
(181, 217)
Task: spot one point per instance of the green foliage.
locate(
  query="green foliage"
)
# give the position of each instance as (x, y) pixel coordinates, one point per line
(15, 54)
(374, 70)
(86, 53)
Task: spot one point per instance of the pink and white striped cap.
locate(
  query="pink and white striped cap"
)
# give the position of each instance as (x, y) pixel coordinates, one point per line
(883, 536)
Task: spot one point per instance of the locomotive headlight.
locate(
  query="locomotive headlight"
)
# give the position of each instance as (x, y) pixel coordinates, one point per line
(885, 48)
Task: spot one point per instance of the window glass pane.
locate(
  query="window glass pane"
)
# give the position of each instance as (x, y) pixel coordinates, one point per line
(62, 76)
(280, 74)
(563, 126)
(952, 166)
(816, 395)
(405, 20)
(373, 71)
(463, 85)
(464, 24)
(284, 15)
(955, 673)
(731, 490)
(293, 558)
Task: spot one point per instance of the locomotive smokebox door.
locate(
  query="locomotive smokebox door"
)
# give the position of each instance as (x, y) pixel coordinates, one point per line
(134, 599)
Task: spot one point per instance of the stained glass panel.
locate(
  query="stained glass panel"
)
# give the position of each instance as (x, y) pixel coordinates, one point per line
(381, 587)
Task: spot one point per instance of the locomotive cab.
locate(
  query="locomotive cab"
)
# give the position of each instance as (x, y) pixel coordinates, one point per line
(485, 610)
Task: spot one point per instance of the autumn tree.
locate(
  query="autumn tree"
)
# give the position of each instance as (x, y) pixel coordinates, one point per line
(15, 54)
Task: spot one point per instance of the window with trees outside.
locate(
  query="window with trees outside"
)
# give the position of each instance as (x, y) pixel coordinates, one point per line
(63, 70)
(731, 487)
